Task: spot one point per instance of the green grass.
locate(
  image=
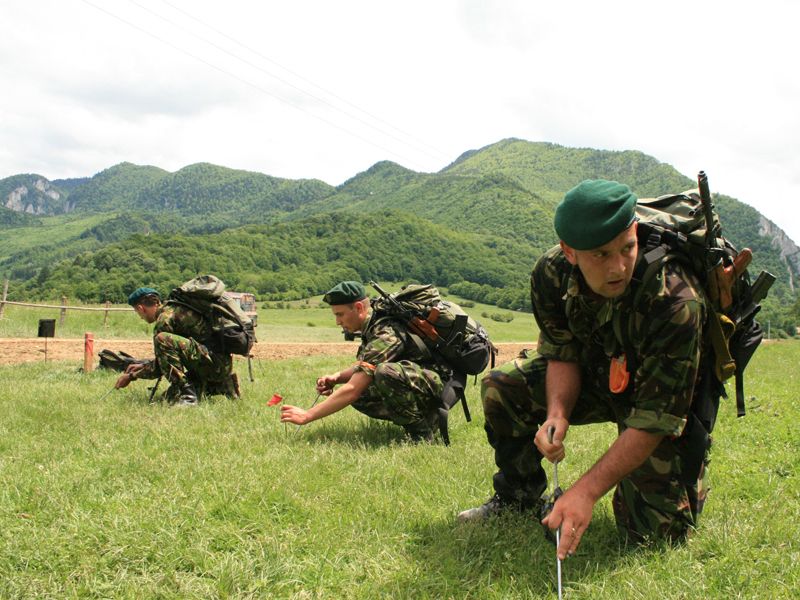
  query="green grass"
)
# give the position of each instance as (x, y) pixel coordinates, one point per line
(23, 321)
(50, 231)
(118, 498)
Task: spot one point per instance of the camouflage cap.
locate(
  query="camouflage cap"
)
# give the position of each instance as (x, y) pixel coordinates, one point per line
(594, 212)
(345, 292)
(140, 293)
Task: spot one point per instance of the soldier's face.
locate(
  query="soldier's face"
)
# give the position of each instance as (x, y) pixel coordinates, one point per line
(147, 313)
(348, 316)
(608, 269)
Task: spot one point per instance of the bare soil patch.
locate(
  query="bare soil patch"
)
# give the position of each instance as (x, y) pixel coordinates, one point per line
(20, 350)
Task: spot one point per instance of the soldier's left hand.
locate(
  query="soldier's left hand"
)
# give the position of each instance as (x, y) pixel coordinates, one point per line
(294, 414)
(572, 512)
(134, 369)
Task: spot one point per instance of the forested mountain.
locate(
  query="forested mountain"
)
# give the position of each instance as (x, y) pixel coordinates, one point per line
(116, 188)
(475, 226)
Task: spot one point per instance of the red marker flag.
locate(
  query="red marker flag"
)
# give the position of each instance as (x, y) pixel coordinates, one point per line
(276, 399)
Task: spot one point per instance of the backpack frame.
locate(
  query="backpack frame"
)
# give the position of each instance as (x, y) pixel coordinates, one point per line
(231, 331)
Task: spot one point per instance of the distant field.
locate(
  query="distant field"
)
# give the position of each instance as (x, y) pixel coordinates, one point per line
(53, 230)
(300, 321)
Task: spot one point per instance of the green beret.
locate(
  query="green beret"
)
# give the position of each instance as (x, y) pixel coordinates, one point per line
(346, 292)
(140, 293)
(594, 212)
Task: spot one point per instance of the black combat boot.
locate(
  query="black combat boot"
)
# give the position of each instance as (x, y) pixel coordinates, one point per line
(422, 430)
(187, 394)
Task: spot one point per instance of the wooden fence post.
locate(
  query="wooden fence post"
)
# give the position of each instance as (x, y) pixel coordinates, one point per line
(105, 315)
(63, 310)
(88, 352)
(3, 301)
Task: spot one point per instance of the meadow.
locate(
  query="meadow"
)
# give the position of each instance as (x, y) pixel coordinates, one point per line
(306, 320)
(107, 496)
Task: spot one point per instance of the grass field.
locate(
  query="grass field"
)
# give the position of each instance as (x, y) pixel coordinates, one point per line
(115, 498)
(300, 321)
(50, 231)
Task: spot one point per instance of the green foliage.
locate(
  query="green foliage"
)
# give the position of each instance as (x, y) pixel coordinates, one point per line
(281, 261)
(204, 188)
(116, 188)
(11, 218)
(500, 317)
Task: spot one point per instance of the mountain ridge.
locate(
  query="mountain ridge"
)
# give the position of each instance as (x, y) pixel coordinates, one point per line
(501, 197)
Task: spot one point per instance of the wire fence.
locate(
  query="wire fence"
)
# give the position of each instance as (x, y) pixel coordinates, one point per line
(63, 307)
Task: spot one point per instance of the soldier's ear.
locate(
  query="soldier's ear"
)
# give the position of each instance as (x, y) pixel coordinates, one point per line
(569, 253)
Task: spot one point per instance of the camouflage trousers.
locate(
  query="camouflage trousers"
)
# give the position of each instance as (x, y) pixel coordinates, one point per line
(404, 393)
(180, 359)
(657, 500)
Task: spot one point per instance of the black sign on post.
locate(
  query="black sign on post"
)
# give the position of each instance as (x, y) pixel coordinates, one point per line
(47, 329)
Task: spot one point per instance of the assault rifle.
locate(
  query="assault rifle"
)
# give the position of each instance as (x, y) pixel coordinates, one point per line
(422, 327)
(722, 277)
(724, 271)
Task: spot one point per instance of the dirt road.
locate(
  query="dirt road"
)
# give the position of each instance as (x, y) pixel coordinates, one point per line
(20, 350)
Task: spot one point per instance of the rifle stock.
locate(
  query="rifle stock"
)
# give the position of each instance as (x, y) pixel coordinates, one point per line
(422, 327)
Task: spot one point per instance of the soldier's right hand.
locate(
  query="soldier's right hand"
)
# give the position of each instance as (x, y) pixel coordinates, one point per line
(326, 383)
(122, 381)
(552, 445)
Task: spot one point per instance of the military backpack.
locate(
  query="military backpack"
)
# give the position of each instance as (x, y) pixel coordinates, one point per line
(443, 332)
(231, 331)
(686, 228)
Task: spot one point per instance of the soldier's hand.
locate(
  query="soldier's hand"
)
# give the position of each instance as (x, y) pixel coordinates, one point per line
(134, 369)
(326, 383)
(123, 381)
(294, 414)
(572, 512)
(552, 450)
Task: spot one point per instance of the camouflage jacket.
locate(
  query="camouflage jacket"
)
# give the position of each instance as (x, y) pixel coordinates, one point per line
(665, 334)
(182, 321)
(384, 340)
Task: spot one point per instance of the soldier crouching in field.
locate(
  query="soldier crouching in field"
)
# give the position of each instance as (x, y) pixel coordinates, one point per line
(185, 361)
(583, 373)
(391, 379)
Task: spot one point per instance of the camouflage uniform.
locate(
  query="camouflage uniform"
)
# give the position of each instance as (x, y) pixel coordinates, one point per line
(406, 387)
(664, 496)
(180, 357)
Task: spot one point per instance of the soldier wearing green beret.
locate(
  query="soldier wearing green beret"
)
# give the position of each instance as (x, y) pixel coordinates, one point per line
(582, 372)
(390, 380)
(179, 356)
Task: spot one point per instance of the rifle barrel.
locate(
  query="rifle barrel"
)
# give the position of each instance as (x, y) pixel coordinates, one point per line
(708, 213)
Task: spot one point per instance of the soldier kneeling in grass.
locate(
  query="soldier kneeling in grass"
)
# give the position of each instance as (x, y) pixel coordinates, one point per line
(180, 356)
(391, 380)
(652, 384)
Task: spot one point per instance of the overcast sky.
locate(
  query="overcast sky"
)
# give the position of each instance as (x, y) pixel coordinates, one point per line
(323, 89)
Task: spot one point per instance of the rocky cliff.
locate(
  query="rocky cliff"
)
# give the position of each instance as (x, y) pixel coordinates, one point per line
(790, 253)
(34, 195)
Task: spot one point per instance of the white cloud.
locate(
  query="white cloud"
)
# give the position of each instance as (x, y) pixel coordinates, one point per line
(324, 89)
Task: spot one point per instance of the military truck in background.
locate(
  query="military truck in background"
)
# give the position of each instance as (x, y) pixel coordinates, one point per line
(248, 303)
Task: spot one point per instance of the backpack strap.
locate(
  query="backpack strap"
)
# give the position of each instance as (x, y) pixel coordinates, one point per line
(452, 392)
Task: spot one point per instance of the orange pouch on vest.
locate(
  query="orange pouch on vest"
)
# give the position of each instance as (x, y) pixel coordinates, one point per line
(618, 376)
